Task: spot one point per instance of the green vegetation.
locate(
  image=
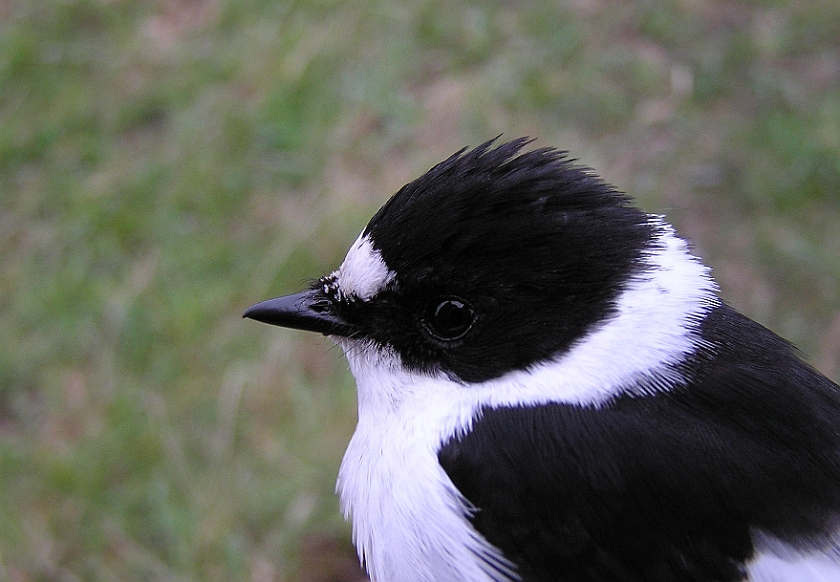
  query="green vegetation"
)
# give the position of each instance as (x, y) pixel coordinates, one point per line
(165, 164)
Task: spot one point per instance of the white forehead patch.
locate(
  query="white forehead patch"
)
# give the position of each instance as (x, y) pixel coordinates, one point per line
(363, 273)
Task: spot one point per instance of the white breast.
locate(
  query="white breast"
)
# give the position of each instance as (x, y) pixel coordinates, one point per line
(410, 523)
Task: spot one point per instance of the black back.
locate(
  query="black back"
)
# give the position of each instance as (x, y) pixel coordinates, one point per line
(668, 487)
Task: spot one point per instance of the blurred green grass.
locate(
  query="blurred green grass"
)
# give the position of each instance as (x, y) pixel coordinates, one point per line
(165, 164)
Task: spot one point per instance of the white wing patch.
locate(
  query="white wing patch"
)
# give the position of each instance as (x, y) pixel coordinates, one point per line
(363, 273)
(818, 567)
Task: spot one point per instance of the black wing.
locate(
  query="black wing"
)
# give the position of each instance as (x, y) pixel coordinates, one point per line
(662, 488)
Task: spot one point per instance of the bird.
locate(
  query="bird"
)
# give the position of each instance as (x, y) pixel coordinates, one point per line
(550, 388)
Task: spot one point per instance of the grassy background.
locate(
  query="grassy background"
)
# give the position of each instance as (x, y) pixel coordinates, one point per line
(164, 164)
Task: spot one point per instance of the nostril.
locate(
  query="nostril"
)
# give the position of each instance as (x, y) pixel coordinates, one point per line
(320, 306)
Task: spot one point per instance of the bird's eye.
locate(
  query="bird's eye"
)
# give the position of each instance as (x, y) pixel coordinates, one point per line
(448, 318)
